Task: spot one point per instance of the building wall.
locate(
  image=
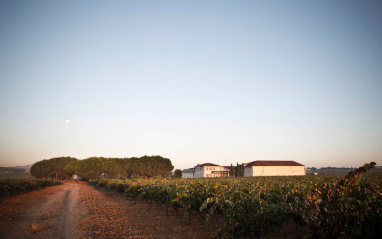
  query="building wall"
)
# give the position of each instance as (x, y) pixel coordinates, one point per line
(199, 172)
(270, 171)
(257, 171)
(248, 172)
(299, 170)
(205, 171)
(187, 175)
(274, 171)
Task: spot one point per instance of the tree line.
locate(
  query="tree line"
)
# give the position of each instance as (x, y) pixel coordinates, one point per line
(94, 167)
(12, 170)
(237, 171)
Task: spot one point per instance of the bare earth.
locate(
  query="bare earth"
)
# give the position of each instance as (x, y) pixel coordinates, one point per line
(47, 213)
(80, 211)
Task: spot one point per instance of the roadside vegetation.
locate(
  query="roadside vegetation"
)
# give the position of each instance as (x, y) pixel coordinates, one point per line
(331, 206)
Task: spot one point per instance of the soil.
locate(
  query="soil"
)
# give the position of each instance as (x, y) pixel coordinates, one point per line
(52, 212)
(111, 215)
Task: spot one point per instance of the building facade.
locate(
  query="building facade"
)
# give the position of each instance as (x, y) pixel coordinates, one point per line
(206, 170)
(188, 173)
(274, 168)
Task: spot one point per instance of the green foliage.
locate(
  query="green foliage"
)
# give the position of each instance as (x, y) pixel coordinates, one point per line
(41, 169)
(90, 168)
(57, 166)
(94, 167)
(151, 166)
(53, 167)
(12, 187)
(231, 171)
(260, 206)
(70, 168)
(111, 168)
(239, 170)
(178, 173)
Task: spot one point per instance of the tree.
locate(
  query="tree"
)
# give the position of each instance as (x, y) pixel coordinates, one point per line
(237, 170)
(124, 165)
(70, 168)
(178, 173)
(111, 168)
(57, 166)
(90, 168)
(151, 166)
(41, 169)
(231, 171)
(53, 167)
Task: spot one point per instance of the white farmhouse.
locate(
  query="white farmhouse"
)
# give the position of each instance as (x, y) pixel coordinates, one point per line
(208, 170)
(273, 168)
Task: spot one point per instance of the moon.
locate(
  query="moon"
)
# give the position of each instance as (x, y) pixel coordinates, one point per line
(67, 121)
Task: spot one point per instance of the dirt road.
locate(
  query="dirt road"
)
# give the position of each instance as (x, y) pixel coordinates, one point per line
(80, 211)
(48, 213)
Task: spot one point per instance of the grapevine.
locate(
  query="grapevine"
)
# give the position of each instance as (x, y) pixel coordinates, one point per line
(260, 206)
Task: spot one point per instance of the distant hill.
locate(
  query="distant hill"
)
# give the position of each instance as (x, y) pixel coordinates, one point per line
(377, 169)
(21, 169)
(26, 167)
(334, 170)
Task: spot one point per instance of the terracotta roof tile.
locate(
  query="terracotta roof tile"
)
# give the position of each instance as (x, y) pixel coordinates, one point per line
(273, 163)
(208, 164)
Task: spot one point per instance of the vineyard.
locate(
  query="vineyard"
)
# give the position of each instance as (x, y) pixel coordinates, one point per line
(330, 206)
(12, 186)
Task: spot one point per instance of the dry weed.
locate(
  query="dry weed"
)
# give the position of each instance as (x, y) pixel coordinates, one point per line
(37, 227)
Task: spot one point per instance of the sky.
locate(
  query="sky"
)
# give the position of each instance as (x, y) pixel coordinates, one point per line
(193, 81)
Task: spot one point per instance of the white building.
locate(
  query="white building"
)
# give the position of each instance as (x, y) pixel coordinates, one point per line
(207, 170)
(273, 168)
(188, 173)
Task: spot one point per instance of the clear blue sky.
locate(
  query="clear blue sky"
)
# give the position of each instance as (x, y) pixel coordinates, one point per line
(193, 81)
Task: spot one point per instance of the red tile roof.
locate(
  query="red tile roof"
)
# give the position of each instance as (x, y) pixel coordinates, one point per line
(207, 164)
(273, 163)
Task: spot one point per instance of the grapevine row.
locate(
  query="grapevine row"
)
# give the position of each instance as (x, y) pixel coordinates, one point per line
(12, 187)
(260, 206)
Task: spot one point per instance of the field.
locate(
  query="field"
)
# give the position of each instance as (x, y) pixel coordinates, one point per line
(16, 175)
(324, 206)
(330, 206)
(13, 186)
